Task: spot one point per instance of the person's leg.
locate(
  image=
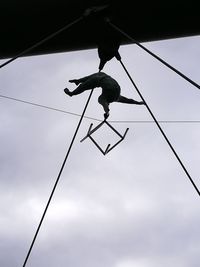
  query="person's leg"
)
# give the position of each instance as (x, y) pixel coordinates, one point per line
(125, 100)
(80, 89)
(76, 81)
(84, 79)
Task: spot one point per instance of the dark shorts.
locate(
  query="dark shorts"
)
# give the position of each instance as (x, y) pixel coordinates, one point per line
(111, 94)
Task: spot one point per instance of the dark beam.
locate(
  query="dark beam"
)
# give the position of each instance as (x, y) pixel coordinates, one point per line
(23, 23)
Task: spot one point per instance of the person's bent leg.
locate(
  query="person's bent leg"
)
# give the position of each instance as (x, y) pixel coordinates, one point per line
(83, 79)
(76, 81)
(125, 100)
(80, 89)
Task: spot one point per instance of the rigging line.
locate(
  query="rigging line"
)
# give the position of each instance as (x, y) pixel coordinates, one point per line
(160, 121)
(47, 107)
(42, 41)
(57, 180)
(155, 56)
(95, 119)
(161, 130)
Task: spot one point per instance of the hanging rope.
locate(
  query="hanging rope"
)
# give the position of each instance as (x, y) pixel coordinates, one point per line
(57, 180)
(155, 56)
(24, 52)
(161, 130)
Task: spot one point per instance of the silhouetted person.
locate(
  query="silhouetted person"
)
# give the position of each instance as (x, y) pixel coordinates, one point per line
(110, 90)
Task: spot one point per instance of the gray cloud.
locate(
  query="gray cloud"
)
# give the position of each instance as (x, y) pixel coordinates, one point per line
(134, 207)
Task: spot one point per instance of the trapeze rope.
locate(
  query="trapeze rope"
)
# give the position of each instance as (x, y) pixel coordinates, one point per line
(154, 55)
(86, 13)
(161, 130)
(57, 180)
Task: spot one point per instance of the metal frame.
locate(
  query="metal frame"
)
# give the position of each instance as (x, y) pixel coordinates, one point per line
(109, 147)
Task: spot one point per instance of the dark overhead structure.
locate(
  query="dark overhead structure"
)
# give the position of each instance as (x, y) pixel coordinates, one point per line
(24, 23)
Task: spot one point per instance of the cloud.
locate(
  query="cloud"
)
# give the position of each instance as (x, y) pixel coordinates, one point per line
(134, 207)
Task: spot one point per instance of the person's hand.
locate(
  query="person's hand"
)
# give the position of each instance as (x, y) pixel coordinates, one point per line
(106, 115)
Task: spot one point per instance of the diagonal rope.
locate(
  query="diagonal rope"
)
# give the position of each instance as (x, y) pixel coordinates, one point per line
(57, 180)
(160, 121)
(87, 12)
(161, 130)
(24, 52)
(92, 118)
(154, 55)
(46, 107)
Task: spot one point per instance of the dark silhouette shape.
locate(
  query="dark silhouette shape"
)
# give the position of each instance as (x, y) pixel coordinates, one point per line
(110, 90)
(106, 51)
(109, 147)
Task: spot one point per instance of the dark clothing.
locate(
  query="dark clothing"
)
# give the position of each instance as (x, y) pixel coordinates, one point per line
(110, 90)
(110, 87)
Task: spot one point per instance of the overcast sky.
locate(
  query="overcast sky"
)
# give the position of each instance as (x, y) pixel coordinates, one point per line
(134, 207)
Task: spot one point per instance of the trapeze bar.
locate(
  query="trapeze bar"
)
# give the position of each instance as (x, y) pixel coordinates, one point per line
(109, 147)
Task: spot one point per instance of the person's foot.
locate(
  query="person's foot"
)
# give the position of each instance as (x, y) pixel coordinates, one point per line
(66, 90)
(141, 103)
(74, 81)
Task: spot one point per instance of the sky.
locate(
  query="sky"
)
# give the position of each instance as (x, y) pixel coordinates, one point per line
(134, 207)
